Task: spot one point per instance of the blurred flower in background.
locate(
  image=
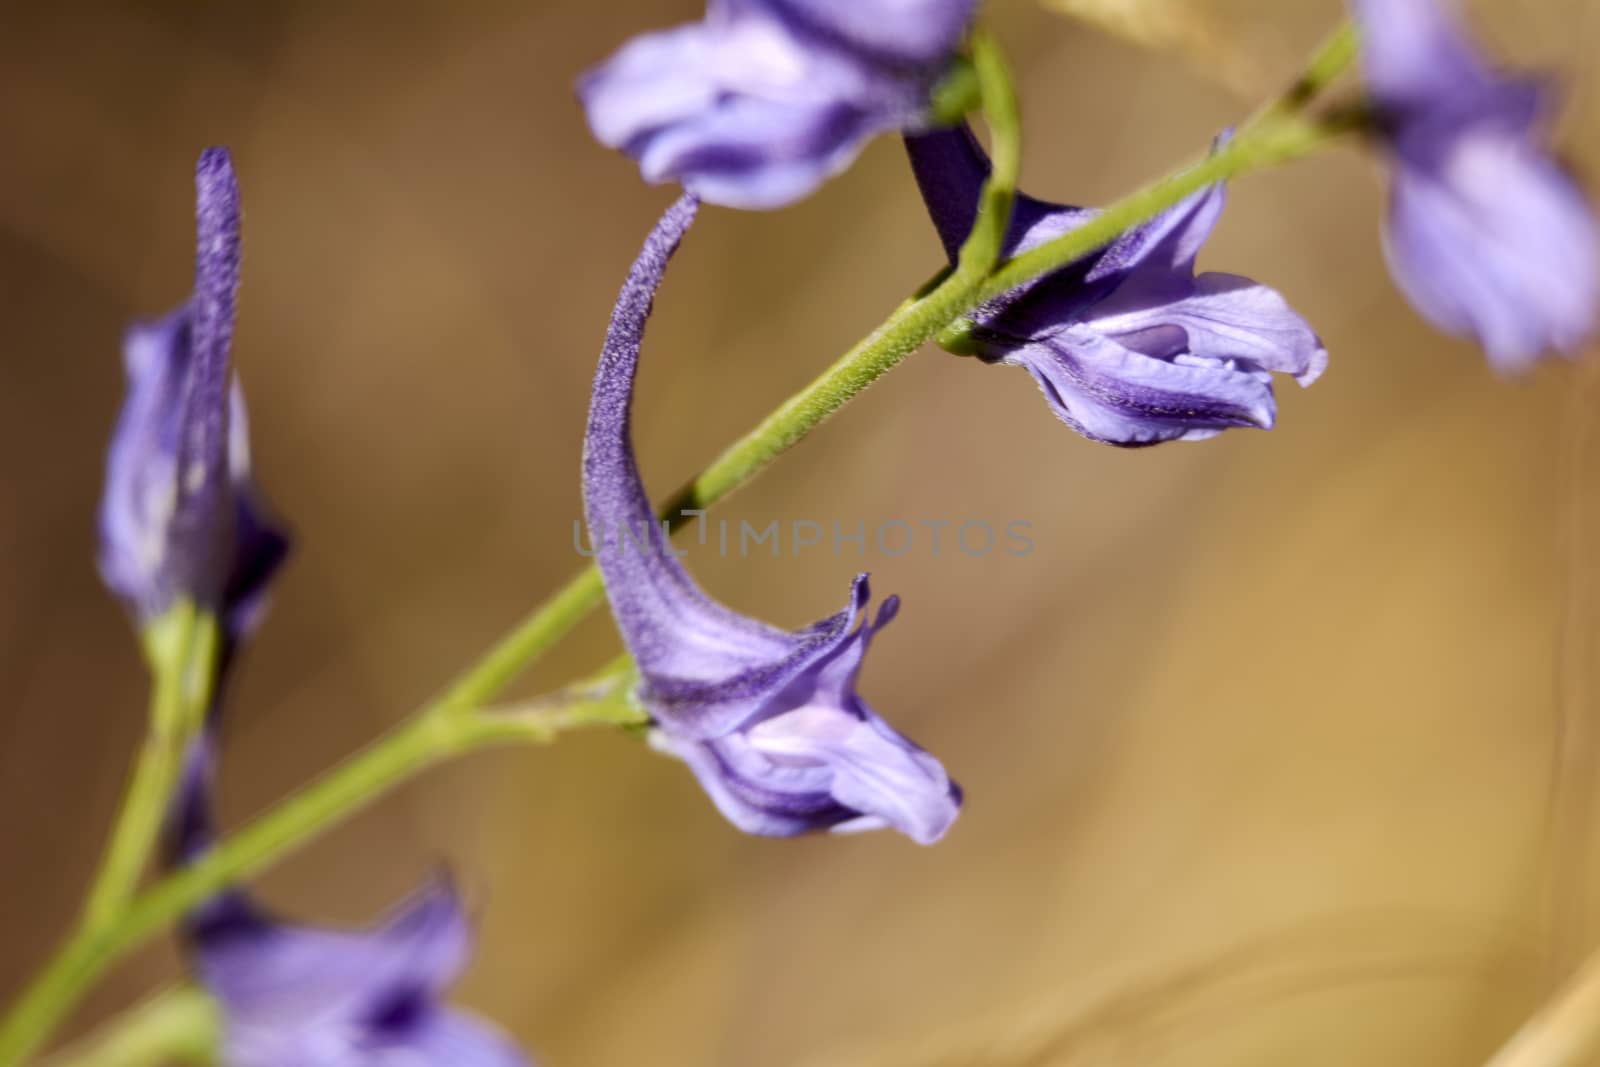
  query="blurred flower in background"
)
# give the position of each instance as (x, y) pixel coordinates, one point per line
(764, 100)
(1486, 233)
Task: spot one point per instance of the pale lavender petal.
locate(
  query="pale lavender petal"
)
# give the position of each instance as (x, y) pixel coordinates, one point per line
(1416, 51)
(765, 100)
(817, 757)
(888, 32)
(1112, 393)
(455, 1039)
(1497, 244)
(758, 154)
(266, 973)
(1486, 234)
(1225, 317)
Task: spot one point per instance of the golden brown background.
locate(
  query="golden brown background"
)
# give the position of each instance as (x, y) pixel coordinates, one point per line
(1279, 749)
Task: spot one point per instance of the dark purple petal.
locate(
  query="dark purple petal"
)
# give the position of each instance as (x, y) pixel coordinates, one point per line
(454, 1039)
(951, 167)
(260, 543)
(762, 102)
(768, 719)
(1112, 393)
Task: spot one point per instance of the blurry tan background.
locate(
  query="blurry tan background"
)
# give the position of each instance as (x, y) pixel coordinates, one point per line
(1279, 749)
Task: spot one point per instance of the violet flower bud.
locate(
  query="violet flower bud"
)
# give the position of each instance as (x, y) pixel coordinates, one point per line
(764, 100)
(768, 720)
(180, 518)
(1486, 234)
(332, 998)
(1128, 345)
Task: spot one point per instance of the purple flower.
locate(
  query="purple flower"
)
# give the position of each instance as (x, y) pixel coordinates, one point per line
(1486, 234)
(768, 720)
(764, 100)
(180, 517)
(1127, 344)
(332, 998)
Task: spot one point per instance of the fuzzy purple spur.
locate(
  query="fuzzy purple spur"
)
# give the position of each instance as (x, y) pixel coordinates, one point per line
(769, 720)
(180, 518)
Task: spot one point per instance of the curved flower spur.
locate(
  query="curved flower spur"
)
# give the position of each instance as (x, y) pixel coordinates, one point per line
(180, 518)
(768, 720)
(1128, 345)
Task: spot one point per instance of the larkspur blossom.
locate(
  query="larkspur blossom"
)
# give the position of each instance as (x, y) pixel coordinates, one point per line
(316, 997)
(180, 518)
(1128, 346)
(768, 720)
(1486, 234)
(764, 100)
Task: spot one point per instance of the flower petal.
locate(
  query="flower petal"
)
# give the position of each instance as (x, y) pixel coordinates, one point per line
(889, 32)
(766, 99)
(758, 154)
(1167, 245)
(454, 1039)
(272, 975)
(1415, 51)
(1495, 242)
(1225, 317)
(1112, 393)
(950, 168)
(816, 758)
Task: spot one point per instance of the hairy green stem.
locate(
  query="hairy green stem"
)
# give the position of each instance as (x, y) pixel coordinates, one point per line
(450, 724)
(168, 643)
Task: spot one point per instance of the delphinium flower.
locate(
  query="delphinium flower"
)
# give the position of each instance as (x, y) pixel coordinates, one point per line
(768, 720)
(1486, 234)
(311, 997)
(180, 519)
(763, 100)
(1128, 345)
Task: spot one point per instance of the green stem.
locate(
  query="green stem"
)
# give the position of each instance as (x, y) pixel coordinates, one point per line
(181, 648)
(176, 1025)
(449, 725)
(1330, 60)
(432, 736)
